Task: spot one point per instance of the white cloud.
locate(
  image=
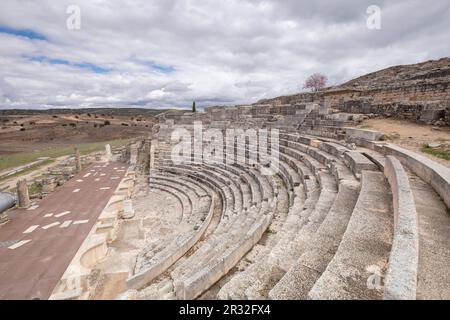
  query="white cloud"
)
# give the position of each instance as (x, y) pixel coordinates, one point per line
(169, 53)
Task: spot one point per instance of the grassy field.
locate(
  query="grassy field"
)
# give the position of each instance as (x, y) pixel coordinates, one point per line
(15, 160)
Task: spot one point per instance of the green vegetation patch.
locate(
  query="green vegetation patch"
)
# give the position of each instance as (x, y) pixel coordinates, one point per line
(35, 188)
(441, 152)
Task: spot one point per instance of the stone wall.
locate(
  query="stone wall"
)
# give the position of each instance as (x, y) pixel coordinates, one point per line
(418, 92)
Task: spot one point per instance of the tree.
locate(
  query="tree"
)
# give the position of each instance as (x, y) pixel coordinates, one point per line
(315, 82)
(194, 110)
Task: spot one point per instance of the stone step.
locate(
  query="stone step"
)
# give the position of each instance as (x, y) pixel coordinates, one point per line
(300, 278)
(178, 194)
(192, 285)
(433, 278)
(322, 207)
(223, 189)
(357, 268)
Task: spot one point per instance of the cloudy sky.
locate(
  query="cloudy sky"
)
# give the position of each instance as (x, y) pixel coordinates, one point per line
(167, 53)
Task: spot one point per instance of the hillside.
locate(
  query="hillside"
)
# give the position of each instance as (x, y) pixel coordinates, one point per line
(418, 92)
(433, 71)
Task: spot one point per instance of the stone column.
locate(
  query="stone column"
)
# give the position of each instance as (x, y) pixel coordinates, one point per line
(23, 198)
(77, 160)
(108, 153)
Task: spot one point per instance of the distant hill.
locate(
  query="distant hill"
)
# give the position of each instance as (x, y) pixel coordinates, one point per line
(432, 73)
(98, 111)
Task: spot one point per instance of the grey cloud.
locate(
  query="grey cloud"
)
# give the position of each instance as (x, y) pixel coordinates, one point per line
(222, 52)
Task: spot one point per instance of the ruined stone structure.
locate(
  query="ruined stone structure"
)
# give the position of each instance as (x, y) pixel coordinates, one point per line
(77, 160)
(343, 216)
(418, 92)
(23, 198)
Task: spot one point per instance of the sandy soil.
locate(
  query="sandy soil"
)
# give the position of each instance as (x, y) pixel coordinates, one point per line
(410, 135)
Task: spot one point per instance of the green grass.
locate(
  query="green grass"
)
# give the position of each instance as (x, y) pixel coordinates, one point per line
(15, 160)
(28, 170)
(437, 152)
(34, 188)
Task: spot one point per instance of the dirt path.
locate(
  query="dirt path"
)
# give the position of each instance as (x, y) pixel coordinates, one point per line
(409, 135)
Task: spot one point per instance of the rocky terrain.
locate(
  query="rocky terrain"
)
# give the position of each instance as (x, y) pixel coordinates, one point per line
(418, 92)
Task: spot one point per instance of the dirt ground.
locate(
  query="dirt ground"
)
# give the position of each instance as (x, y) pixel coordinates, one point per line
(28, 133)
(411, 135)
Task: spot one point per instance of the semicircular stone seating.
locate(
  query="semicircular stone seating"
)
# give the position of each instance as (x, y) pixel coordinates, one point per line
(366, 220)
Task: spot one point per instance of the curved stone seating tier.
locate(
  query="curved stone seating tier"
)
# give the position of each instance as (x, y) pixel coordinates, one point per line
(232, 180)
(190, 175)
(154, 260)
(331, 155)
(227, 178)
(184, 200)
(343, 231)
(308, 178)
(431, 172)
(199, 190)
(301, 277)
(434, 242)
(295, 150)
(224, 190)
(401, 276)
(302, 221)
(198, 205)
(293, 249)
(264, 192)
(364, 250)
(264, 184)
(224, 227)
(231, 246)
(358, 162)
(250, 192)
(266, 189)
(324, 131)
(287, 173)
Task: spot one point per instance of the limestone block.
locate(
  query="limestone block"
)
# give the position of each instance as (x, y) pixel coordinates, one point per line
(363, 134)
